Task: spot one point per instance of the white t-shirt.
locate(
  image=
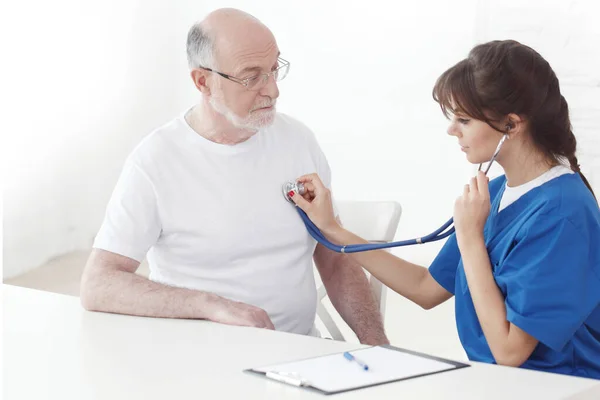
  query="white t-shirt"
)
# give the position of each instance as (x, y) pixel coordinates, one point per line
(212, 217)
(512, 194)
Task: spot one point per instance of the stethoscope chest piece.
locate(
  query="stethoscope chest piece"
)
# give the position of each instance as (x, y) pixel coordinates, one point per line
(292, 186)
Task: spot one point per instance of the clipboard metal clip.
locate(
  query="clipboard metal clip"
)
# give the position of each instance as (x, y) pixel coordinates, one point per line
(291, 378)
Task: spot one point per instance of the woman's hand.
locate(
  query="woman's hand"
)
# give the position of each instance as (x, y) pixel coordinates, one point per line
(317, 204)
(471, 210)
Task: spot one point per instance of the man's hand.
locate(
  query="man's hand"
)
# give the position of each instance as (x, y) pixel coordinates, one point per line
(235, 313)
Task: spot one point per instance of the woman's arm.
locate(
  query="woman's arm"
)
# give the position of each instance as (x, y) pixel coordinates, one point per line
(409, 280)
(509, 344)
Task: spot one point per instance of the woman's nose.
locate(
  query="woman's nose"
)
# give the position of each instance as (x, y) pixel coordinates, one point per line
(453, 130)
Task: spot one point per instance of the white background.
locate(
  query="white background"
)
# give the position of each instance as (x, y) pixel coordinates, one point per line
(83, 81)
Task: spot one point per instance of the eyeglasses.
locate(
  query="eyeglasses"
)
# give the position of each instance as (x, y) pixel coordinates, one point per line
(259, 81)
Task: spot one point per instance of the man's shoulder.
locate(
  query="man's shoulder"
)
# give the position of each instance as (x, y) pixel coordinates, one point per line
(157, 143)
(292, 129)
(287, 120)
(292, 125)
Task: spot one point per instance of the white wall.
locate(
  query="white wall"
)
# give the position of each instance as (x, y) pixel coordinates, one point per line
(87, 80)
(91, 85)
(567, 34)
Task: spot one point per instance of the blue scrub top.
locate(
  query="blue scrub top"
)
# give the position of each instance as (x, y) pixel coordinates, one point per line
(545, 254)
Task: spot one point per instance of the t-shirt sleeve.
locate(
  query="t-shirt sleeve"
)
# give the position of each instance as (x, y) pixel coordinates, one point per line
(131, 224)
(552, 287)
(444, 266)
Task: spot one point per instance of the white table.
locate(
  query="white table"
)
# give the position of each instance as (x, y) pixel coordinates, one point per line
(53, 349)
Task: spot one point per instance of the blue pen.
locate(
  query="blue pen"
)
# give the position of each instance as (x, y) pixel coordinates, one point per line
(350, 357)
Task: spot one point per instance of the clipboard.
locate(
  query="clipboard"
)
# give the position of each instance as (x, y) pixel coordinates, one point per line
(335, 373)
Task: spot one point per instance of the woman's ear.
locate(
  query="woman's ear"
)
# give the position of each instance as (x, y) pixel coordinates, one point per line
(514, 125)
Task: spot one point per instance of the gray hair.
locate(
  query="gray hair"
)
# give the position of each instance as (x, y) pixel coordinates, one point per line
(200, 47)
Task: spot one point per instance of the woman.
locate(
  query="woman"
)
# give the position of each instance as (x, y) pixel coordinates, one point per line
(524, 262)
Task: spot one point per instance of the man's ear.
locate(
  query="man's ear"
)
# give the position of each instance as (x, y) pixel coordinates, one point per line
(199, 76)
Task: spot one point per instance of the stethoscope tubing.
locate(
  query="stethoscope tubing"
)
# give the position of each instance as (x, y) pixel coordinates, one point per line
(438, 234)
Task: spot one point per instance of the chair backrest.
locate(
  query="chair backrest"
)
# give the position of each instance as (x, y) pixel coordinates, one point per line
(374, 221)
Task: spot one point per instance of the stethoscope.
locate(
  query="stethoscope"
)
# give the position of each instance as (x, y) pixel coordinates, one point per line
(438, 234)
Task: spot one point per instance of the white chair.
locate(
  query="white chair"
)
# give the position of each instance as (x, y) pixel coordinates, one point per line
(376, 222)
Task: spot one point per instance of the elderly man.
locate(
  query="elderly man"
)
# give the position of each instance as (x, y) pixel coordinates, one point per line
(201, 197)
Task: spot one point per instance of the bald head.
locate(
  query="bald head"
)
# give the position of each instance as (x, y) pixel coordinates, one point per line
(225, 18)
(226, 34)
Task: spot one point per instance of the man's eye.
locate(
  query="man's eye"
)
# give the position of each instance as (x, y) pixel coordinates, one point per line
(463, 120)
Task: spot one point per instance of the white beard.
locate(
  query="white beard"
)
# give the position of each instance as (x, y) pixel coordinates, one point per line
(253, 122)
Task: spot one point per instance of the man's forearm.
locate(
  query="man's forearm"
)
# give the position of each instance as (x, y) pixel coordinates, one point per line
(124, 292)
(350, 293)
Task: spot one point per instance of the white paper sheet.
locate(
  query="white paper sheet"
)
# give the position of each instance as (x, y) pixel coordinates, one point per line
(335, 373)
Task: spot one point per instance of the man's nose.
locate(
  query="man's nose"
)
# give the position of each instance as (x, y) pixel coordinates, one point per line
(270, 89)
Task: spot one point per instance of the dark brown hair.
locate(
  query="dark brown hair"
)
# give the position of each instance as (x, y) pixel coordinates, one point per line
(503, 77)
